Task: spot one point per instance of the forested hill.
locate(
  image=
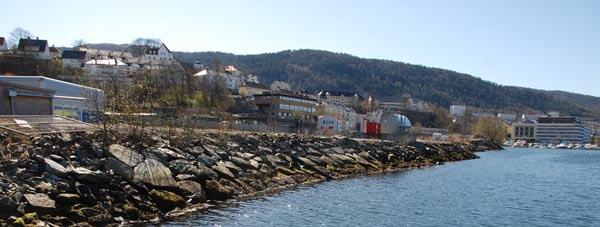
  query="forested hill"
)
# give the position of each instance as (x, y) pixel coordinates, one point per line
(388, 80)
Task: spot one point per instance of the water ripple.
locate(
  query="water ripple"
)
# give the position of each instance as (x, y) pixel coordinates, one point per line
(516, 187)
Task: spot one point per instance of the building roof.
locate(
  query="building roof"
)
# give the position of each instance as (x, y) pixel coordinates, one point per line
(558, 120)
(8, 84)
(73, 54)
(266, 94)
(154, 50)
(39, 43)
(53, 50)
(338, 93)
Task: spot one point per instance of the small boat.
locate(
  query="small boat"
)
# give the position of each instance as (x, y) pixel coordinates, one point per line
(562, 146)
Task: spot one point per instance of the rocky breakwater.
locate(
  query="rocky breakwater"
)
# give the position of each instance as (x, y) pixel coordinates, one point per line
(80, 179)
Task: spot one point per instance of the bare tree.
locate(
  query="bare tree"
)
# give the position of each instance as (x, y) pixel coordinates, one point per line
(16, 34)
(79, 43)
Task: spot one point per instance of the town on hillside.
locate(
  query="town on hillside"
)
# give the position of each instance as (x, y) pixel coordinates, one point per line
(143, 84)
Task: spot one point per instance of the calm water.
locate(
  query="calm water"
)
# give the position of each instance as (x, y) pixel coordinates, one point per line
(515, 187)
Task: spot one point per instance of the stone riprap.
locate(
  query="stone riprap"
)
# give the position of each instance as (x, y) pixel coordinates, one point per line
(86, 179)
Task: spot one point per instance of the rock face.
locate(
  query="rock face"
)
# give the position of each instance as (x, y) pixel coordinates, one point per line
(126, 155)
(87, 179)
(154, 173)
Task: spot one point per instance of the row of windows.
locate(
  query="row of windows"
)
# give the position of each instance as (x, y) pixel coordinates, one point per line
(292, 99)
(296, 108)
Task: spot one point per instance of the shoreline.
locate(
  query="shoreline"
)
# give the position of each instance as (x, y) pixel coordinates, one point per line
(136, 179)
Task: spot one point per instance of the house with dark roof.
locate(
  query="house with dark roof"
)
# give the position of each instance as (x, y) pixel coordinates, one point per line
(158, 55)
(73, 58)
(37, 48)
(3, 46)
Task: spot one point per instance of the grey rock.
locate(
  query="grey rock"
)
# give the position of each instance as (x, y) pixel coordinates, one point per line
(190, 188)
(154, 173)
(119, 168)
(240, 162)
(40, 202)
(222, 169)
(233, 167)
(87, 175)
(126, 155)
(198, 170)
(55, 169)
(206, 160)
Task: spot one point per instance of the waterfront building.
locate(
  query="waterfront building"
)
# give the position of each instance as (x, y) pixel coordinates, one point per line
(292, 111)
(524, 130)
(70, 100)
(562, 130)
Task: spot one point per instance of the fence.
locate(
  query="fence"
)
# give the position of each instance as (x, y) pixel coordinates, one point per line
(41, 124)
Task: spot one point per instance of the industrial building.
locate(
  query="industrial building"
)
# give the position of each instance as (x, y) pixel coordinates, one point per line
(70, 100)
(24, 100)
(292, 111)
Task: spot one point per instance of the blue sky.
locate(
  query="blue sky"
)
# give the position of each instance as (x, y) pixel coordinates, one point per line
(550, 44)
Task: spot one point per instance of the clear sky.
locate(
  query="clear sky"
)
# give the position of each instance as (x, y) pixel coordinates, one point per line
(548, 44)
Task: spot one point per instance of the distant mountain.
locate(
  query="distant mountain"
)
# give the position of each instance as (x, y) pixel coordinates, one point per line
(388, 80)
(109, 46)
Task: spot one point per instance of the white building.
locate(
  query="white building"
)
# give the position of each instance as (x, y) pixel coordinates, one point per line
(328, 125)
(340, 98)
(458, 110)
(36, 48)
(111, 70)
(73, 58)
(3, 45)
(69, 100)
(158, 55)
(562, 130)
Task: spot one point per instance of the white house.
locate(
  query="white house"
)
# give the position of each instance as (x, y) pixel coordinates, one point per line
(3, 45)
(158, 55)
(36, 48)
(73, 58)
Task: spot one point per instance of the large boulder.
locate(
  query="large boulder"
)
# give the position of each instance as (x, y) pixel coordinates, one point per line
(217, 191)
(119, 168)
(40, 202)
(166, 200)
(222, 169)
(240, 162)
(126, 155)
(154, 173)
(199, 171)
(55, 169)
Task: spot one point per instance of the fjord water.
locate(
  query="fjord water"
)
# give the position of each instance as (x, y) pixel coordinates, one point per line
(514, 187)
